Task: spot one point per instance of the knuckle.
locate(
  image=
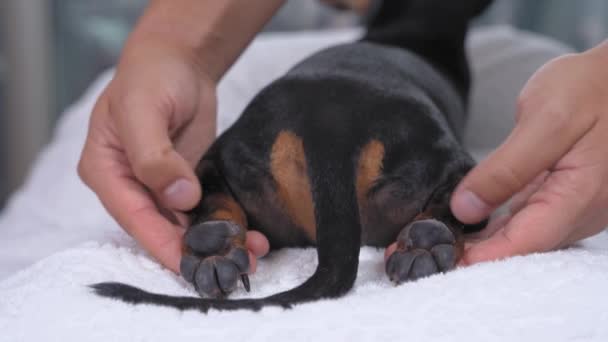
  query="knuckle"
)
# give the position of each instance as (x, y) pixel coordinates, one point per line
(83, 170)
(127, 103)
(117, 107)
(558, 118)
(597, 187)
(117, 104)
(555, 114)
(507, 178)
(523, 106)
(145, 162)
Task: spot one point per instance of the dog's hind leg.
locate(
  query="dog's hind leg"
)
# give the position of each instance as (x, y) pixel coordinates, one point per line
(214, 252)
(434, 241)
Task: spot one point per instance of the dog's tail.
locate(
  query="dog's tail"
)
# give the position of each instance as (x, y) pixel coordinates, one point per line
(338, 236)
(433, 29)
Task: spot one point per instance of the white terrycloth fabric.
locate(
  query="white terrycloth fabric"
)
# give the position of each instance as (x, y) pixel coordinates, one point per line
(557, 296)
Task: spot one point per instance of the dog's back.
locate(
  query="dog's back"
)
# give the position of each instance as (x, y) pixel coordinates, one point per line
(349, 147)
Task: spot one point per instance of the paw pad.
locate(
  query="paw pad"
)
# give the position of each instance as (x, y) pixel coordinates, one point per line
(215, 259)
(424, 248)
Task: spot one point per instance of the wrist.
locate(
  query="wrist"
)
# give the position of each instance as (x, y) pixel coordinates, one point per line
(214, 33)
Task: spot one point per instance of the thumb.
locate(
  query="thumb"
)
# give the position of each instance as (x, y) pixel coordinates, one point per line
(535, 145)
(542, 225)
(144, 132)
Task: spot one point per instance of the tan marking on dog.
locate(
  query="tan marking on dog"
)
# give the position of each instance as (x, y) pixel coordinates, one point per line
(369, 168)
(288, 167)
(225, 208)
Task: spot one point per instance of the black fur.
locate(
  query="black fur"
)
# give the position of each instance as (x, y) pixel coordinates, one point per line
(405, 84)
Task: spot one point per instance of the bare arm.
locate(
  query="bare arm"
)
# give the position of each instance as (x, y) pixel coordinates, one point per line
(216, 31)
(157, 117)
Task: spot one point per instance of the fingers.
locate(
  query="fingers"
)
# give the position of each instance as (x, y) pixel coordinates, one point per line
(144, 133)
(520, 199)
(547, 220)
(253, 262)
(561, 129)
(496, 222)
(586, 230)
(389, 251)
(257, 243)
(257, 246)
(131, 206)
(194, 139)
(535, 145)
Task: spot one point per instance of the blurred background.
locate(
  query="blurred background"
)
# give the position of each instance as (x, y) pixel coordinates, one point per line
(50, 50)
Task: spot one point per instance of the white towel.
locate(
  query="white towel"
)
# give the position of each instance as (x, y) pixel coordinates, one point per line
(557, 296)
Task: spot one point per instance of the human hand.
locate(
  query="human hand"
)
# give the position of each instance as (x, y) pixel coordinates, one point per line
(555, 162)
(149, 128)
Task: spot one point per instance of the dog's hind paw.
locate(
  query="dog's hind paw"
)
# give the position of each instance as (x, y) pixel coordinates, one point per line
(424, 248)
(214, 260)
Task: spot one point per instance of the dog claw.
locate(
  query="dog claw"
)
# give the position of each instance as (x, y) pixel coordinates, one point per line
(214, 259)
(245, 279)
(240, 257)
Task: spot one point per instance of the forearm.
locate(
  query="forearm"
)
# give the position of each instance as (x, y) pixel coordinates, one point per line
(216, 31)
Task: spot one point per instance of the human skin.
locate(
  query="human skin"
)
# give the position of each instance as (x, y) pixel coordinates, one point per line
(553, 167)
(554, 164)
(157, 117)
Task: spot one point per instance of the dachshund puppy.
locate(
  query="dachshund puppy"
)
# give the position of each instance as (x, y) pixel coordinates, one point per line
(358, 144)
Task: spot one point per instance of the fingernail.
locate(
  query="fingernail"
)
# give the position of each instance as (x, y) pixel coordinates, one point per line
(469, 208)
(180, 194)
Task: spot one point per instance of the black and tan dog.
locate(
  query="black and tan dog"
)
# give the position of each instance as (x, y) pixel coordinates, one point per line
(359, 144)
